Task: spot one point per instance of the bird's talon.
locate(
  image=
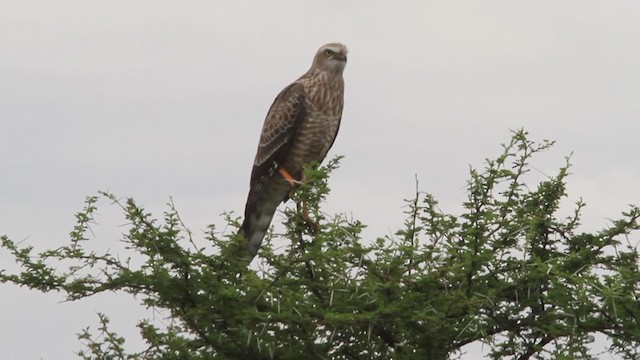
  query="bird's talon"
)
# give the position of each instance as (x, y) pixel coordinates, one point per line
(290, 179)
(295, 182)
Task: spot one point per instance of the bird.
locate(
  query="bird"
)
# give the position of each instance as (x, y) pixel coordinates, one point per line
(299, 129)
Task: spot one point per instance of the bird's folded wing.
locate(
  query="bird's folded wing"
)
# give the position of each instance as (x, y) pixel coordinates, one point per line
(279, 130)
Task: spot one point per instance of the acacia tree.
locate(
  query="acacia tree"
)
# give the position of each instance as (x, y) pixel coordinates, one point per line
(508, 272)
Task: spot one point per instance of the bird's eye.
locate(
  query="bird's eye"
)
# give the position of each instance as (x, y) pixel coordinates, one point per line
(328, 52)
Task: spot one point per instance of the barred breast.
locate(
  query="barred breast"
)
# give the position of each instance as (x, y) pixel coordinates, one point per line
(319, 129)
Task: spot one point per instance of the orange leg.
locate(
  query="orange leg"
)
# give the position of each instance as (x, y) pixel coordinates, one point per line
(285, 174)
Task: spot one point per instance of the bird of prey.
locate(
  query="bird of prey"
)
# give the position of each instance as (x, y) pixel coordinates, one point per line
(299, 129)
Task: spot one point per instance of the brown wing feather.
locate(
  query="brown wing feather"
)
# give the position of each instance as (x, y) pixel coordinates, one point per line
(278, 130)
(265, 194)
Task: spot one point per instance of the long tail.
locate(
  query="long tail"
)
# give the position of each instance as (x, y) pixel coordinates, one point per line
(263, 200)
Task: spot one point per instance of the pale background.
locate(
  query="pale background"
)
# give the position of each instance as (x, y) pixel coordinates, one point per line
(152, 99)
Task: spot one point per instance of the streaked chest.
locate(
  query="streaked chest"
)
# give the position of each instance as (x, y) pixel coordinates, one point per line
(324, 101)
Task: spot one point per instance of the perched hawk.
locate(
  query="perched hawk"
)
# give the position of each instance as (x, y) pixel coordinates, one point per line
(300, 128)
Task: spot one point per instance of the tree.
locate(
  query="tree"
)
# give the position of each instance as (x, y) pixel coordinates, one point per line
(508, 272)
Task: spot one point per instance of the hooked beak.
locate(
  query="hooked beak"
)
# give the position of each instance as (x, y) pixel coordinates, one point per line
(341, 56)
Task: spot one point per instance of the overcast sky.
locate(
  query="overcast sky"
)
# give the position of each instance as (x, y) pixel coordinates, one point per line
(151, 99)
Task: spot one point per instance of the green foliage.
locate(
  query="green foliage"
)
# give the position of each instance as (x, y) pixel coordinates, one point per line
(508, 272)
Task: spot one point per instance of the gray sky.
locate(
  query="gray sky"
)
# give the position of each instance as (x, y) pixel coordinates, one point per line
(152, 99)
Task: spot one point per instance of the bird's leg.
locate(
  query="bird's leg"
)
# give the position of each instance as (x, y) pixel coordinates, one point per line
(305, 210)
(285, 174)
(290, 179)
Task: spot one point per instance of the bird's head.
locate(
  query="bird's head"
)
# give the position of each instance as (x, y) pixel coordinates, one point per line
(331, 57)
